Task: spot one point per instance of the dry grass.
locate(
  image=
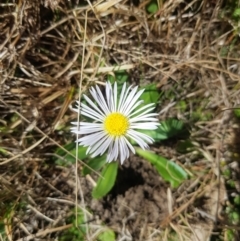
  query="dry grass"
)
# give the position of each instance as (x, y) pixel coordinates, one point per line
(52, 51)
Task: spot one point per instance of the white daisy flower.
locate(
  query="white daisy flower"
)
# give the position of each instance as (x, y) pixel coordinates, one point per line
(115, 121)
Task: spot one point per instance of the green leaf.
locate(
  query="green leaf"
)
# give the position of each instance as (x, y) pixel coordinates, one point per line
(237, 112)
(235, 218)
(69, 146)
(168, 170)
(237, 200)
(68, 159)
(3, 151)
(120, 76)
(236, 13)
(171, 128)
(75, 233)
(106, 181)
(150, 95)
(2, 231)
(107, 235)
(182, 105)
(152, 7)
(95, 164)
(185, 146)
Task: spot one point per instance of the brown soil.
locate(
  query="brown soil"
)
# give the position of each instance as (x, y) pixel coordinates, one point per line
(137, 202)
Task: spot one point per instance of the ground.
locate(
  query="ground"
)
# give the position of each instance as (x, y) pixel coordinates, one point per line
(52, 51)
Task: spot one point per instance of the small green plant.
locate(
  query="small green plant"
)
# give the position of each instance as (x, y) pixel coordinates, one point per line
(78, 230)
(152, 7)
(7, 209)
(121, 76)
(231, 12)
(169, 170)
(237, 112)
(3, 235)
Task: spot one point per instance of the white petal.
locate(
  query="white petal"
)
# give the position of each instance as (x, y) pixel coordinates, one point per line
(145, 126)
(77, 110)
(143, 119)
(97, 95)
(110, 152)
(109, 95)
(89, 149)
(124, 152)
(93, 116)
(108, 92)
(113, 151)
(92, 104)
(122, 97)
(91, 139)
(75, 123)
(90, 125)
(127, 112)
(98, 147)
(141, 116)
(128, 100)
(102, 146)
(139, 141)
(142, 136)
(87, 131)
(115, 97)
(84, 131)
(129, 145)
(149, 107)
(85, 125)
(132, 102)
(78, 106)
(116, 147)
(89, 111)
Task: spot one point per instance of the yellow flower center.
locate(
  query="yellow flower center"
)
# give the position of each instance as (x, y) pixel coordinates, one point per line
(116, 124)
